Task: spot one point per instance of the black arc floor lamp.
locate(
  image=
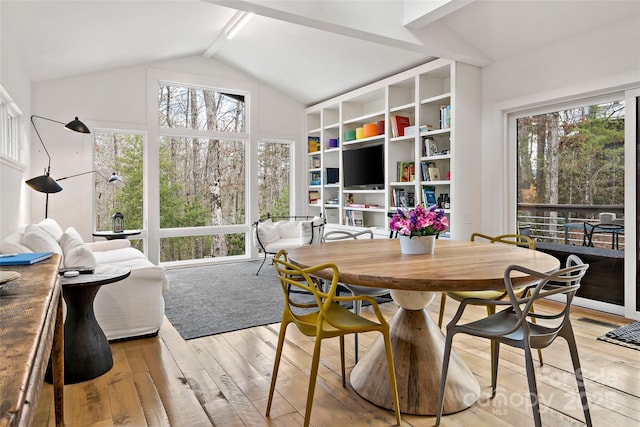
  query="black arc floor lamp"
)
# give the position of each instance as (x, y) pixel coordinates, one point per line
(44, 183)
(114, 180)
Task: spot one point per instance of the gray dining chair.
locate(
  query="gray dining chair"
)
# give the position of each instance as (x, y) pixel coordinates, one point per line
(512, 327)
(520, 240)
(354, 289)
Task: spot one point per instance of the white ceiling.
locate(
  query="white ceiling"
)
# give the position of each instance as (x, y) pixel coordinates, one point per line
(308, 49)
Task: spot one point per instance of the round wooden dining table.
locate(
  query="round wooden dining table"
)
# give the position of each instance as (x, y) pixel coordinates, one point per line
(417, 342)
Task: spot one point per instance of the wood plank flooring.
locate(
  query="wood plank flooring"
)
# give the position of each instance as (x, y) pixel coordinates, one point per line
(223, 380)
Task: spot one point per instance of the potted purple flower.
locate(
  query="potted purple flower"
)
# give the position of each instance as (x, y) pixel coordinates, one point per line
(417, 228)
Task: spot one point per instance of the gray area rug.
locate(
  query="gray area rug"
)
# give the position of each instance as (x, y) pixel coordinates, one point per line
(626, 336)
(213, 299)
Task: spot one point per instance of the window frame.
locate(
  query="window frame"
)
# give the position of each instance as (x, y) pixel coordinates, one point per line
(509, 139)
(292, 159)
(122, 129)
(512, 143)
(11, 142)
(155, 78)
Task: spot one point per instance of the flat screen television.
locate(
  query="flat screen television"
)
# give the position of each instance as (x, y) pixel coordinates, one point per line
(363, 167)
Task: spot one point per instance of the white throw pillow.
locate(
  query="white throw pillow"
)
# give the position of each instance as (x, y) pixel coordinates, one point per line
(13, 248)
(73, 233)
(288, 229)
(38, 240)
(311, 229)
(76, 253)
(51, 226)
(12, 243)
(267, 232)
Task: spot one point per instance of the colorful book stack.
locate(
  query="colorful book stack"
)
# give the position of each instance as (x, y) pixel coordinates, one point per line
(406, 171)
(403, 199)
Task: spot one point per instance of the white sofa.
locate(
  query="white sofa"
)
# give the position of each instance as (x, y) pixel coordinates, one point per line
(130, 308)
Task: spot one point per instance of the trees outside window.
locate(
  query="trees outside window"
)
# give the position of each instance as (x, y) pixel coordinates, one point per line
(118, 152)
(202, 147)
(274, 172)
(570, 167)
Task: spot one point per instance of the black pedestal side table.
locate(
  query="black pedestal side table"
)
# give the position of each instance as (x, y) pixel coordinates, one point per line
(87, 354)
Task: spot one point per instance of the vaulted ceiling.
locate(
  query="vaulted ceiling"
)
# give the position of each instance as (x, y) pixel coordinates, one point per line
(308, 49)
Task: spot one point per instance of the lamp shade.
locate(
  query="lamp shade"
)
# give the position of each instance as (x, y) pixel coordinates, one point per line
(77, 126)
(116, 180)
(44, 184)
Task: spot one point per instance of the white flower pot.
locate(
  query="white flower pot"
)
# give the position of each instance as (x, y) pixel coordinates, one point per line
(417, 245)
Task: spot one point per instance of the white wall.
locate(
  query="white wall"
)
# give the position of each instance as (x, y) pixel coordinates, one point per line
(119, 97)
(14, 204)
(602, 60)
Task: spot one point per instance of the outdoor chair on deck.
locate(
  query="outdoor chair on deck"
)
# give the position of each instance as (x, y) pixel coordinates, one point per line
(512, 327)
(480, 296)
(354, 289)
(321, 319)
(614, 229)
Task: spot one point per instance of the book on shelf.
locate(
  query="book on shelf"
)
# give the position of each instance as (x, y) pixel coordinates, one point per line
(429, 195)
(412, 130)
(316, 178)
(354, 218)
(434, 173)
(430, 171)
(314, 143)
(357, 218)
(406, 171)
(315, 162)
(398, 124)
(429, 147)
(400, 198)
(445, 116)
(314, 197)
(424, 166)
(411, 199)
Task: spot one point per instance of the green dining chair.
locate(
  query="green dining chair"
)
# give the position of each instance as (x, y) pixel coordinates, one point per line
(355, 289)
(324, 319)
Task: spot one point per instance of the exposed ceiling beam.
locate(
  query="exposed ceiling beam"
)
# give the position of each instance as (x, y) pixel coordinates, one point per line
(419, 14)
(377, 22)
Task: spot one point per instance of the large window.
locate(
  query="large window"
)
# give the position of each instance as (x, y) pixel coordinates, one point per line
(202, 155)
(571, 170)
(10, 144)
(274, 174)
(200, 108)
(118, 152)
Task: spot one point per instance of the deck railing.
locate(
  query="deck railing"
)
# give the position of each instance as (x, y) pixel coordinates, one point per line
(549, 223)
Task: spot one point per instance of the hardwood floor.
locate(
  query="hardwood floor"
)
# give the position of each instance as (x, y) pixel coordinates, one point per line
(223, 380)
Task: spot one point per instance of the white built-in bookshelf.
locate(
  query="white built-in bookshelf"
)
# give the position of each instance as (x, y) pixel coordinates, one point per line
(431, 161)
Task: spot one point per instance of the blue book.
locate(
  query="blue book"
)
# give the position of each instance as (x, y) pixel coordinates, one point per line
(429, 196)
(26, 258)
